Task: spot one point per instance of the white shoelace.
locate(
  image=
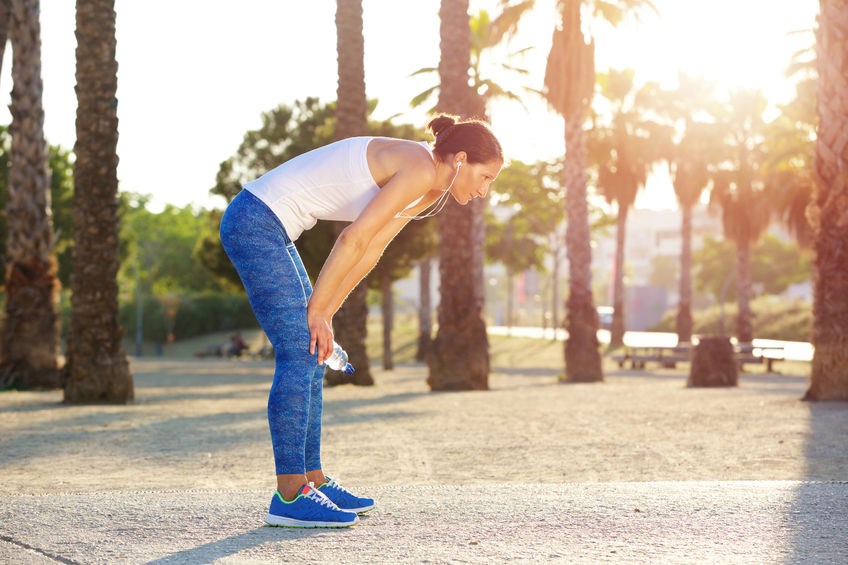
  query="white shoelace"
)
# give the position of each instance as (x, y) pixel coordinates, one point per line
(321, 498)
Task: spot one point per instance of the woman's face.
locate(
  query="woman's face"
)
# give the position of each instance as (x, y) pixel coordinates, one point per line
(474, 180)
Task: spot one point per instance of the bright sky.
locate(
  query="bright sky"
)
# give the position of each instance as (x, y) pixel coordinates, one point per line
(195, 75)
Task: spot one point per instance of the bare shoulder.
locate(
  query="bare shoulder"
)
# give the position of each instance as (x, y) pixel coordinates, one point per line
(389, 158)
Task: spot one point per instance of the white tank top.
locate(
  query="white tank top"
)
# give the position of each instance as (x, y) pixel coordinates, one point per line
(332, 182)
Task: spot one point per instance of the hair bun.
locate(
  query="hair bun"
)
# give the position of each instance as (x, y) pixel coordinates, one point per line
(440, 123)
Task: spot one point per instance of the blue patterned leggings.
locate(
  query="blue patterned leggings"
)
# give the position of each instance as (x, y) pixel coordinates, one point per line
(278, 289)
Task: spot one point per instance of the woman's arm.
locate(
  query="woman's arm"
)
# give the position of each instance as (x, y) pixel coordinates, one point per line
(347, 260)
(376, 248)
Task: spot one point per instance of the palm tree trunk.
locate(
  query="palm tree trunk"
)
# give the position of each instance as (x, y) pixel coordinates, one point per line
(5, 17)
(582, 357)
(459, 358)
(425, 310)
(555, 246)
(350, 323)
(829, 375)
(388, 310)
(744, 327)
(683, 323)
(97, 370)
(29, 342)
(618, 316)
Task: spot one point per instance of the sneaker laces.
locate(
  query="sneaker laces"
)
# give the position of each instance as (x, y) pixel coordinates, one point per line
(333, 483)
(321, 498)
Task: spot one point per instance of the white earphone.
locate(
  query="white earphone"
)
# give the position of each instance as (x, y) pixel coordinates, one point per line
(436, 206)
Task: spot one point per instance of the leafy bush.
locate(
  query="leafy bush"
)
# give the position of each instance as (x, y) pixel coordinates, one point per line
(190, 316)
(774, 317)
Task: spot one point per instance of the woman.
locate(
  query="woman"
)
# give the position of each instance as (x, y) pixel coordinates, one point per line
(378, 184)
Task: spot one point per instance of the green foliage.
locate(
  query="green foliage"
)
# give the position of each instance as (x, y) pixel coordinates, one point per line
(529, 208)
(187, 316)
(161, 249)
(61, 194)
(775, 266)
(774, 317)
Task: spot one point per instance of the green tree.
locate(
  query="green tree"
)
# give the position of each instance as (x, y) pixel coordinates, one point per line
(829, 210)
(29, 342)
(775, 265)
(526, 213)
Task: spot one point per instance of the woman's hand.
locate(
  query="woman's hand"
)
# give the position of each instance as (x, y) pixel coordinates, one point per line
(320, 335)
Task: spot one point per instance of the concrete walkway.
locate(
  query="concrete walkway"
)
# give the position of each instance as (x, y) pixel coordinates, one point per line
(673, 522)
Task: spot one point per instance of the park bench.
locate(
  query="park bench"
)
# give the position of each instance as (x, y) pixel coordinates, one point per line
(667, 356)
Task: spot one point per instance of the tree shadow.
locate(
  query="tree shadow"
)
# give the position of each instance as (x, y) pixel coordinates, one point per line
(817, 515)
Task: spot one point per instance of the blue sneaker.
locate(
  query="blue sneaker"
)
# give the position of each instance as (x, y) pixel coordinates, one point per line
(344, 499)
(311, 509)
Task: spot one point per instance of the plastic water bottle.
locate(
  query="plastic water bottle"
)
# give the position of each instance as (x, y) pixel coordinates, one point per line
(338, 360)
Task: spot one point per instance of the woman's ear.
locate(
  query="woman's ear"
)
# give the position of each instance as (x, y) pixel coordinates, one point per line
(459, 158)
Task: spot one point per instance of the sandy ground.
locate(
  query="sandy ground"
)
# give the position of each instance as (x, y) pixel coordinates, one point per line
(200, 424)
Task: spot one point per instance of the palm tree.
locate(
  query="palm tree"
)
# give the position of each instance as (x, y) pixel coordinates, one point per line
(569, 84)
(690, 178)
(29, 342)
(689, 157)
(487, 34)
(459, 356)
(97, 369)
(625, 149)
(829, 375)
(350, 322)
(739, 188)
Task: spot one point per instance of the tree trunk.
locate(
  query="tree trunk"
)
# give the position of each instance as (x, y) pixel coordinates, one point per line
(744, 327)
(829, 375)
(425, 311)
(713, 363)
(459, 357)
(510, 299)
(618, 315)
(582, 357)
(29, 342)
(97, 370)
(388, 309)
(350, 323)
(5, 18)
(683, 324)
(555, 287)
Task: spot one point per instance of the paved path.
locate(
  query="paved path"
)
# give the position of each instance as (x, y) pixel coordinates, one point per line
(669, 522)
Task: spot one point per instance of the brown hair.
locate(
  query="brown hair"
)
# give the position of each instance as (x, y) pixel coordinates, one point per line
(472, 136)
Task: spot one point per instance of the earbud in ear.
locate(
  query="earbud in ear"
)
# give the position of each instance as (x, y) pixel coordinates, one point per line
(458, 164)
